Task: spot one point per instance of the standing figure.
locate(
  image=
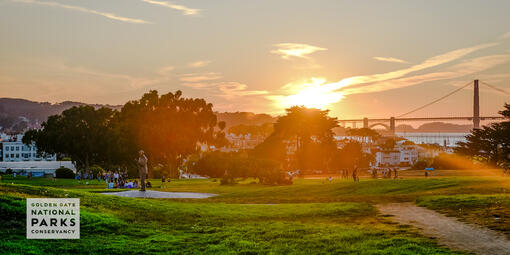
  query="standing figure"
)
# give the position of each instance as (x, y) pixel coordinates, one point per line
(355, 174)
(142, 168)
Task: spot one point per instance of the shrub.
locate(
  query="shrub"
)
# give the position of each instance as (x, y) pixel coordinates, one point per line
(64, 173)
(420, 165)
(9, 171)
(96, 169)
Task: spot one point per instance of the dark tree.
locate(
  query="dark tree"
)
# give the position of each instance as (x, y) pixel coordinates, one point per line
(79, 132)
(489, 144)
(169, 127)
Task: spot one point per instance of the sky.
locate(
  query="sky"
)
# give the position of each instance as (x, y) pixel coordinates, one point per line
(355, 58)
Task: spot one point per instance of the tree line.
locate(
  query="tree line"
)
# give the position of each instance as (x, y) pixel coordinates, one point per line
(167, 127)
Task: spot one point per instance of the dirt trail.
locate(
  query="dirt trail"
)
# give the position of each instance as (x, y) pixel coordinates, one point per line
(449, 231)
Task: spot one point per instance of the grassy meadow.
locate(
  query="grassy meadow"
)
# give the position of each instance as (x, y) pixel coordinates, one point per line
(312, 216)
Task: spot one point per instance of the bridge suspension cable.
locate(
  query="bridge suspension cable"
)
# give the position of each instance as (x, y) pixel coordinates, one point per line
(496, 88)
(435, 101)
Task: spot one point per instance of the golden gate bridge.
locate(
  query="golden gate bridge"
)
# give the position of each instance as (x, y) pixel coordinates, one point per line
(390, 123)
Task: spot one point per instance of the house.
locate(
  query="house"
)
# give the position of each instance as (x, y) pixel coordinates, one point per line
(387, 158)
(408, 153)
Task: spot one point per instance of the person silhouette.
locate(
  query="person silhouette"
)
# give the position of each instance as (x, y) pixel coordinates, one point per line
(142, 168)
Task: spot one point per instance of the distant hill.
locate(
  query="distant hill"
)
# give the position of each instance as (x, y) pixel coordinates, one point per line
(436, 127)
(18, 114)
(246, 118)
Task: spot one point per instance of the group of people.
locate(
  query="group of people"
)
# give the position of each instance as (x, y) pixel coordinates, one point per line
(119, 179)
(344, 173)
(386, 173)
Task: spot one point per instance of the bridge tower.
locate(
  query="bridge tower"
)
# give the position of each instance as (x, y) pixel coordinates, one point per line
(476, 106)
(392, 125)
(365, 122)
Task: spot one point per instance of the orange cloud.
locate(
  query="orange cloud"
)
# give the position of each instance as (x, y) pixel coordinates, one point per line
(198, 77)
(390, 59)
(185, 10)
(200, 63)
(295, 50)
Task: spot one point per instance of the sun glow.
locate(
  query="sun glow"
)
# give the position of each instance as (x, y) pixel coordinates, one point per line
(313, 94)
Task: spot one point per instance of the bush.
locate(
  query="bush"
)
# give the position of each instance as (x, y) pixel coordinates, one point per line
(269, 172)
(64, 173)
(229, 166)
(420, 165)
(9, 171)
(96, 169)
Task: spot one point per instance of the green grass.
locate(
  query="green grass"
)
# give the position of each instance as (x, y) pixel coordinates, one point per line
(310, 216)
(62, 183)
(492, 211)
(309, 190)
(317, 190)
(115, 225)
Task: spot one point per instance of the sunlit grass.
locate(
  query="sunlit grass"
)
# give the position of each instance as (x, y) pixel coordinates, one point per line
(115, 225)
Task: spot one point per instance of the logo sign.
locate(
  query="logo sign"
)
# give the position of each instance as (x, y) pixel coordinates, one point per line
(53, 218)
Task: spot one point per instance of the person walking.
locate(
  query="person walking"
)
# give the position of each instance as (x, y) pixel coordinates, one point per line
(142, 168)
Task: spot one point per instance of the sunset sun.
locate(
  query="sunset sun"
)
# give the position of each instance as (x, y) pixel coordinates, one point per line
(312, 94)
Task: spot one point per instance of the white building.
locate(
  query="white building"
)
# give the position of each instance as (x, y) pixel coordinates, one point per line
(37, 168)
(14, 150)
(387, 158)
(408, 154)
(243, 142)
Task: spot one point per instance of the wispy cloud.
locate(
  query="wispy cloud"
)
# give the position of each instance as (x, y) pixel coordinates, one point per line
(295, 50)
(429, 63)
(85, 10)
(57, 80)
(505, 35)
(185, 10)
(166, 70)
(390, 59)
(200, 63)
(333, 92)
(200, 77)
(233, 89)
(226, 89)
(468, 67)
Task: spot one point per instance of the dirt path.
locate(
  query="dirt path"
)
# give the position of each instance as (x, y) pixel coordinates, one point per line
(448, 231)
